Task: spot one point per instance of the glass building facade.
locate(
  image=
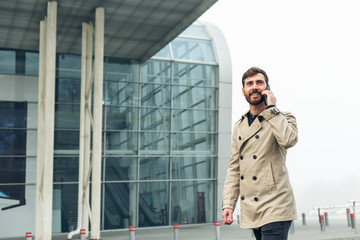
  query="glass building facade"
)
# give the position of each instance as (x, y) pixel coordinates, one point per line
(160, 135)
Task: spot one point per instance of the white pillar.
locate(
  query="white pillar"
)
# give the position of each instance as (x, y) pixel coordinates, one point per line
(45, 143)
(97, 127)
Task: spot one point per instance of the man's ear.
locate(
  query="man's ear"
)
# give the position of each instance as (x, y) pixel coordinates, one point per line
(243, 91)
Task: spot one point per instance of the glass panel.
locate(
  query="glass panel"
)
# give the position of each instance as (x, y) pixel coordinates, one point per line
(119, 205)
(122, 93)
(12, 169)
(164, 53)
(194, 120)
(32, 63)
(12, 142)
(194, 74)
(122, 69)
(195, 31)
(123, 142)
(154, 143)
(121, 118)
(66, 169)
(156, 72)
(153, 204)
(66, 140)
(193, 143)
(154, 168)
(194, 97)
(65, 197)
(67, 116)
(193, 201)
(193, 168)
(7, 61)
(67, 90)
(13, 114)
(155, 95)
(193, 49)
(122, 168)
(14, 195)
(155, 119)
(68, 65)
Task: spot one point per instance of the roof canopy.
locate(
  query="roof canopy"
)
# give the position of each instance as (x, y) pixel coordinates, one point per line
(134, 29)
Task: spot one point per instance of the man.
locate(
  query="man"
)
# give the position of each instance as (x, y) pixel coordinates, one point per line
(257, 172)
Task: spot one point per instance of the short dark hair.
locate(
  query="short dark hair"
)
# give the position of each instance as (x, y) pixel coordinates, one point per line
(253, 71)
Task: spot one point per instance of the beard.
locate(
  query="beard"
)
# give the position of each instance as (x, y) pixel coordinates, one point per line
(253, 102)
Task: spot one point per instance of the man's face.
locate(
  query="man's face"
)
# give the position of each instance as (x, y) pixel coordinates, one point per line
(253, 86)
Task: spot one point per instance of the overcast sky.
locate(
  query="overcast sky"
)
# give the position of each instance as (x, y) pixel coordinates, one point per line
(310, 50)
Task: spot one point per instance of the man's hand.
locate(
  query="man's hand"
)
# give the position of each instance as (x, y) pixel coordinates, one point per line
(227, 216)
(271, 99)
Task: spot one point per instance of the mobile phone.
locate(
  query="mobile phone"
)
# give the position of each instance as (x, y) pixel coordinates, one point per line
(265, 96)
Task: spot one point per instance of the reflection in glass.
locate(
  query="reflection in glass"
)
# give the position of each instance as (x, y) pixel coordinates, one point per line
(13, 114)
(154, 143)
(153, 204)
(12, 142)
(154, 168)
(194, 120)
(194, 97)
(67, 116)
(68, 65)
(122, 93)
(196, 167)
(120, 168)
(156, 119)
(66, 169)
(156, 72)
(121, 118)
(164, 53)
(7, 61)
(65, 197)
(155, 95)
(67, 90)
(66, 140)
(193, 143)
(119, 205)
(195, 30)
(32, 63)
(123, 142)
(194, 74)
(193, 200)
(193, 49)
(121, 69)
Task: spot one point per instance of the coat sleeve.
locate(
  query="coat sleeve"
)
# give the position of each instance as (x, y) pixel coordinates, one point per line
(284, 127)
(232, 181)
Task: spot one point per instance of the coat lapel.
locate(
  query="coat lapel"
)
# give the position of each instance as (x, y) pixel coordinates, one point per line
(249, 131)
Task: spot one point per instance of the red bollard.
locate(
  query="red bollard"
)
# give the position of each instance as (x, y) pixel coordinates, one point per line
(352, 220)
(28, 236)
(82, 234)
(132, 233)
(303, 219)
(217, 230)
(176, 231)
(348, 217)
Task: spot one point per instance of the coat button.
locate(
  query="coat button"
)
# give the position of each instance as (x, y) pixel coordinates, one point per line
(240, 138)
(254, 178)
(257, 136)
(242, 198)
(254, 157)
(241, 157)
(256, 199)
(242, 177)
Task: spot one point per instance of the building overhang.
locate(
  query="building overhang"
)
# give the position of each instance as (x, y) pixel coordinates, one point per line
(134, 29)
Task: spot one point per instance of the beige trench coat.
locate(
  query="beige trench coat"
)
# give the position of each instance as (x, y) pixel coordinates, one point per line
(257, 172)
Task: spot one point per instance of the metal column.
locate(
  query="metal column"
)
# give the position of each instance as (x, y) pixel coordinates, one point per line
(45, 139)
(97, 126)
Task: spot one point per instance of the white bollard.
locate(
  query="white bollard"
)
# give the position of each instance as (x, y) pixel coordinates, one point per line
(217, 230)
(185, 220)
(132, 233)
(238, 219)
(348, 216)
(82, 234)
(322, 223)
(303, 219)
(176, 231)
(292, 227)
(28, 236)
